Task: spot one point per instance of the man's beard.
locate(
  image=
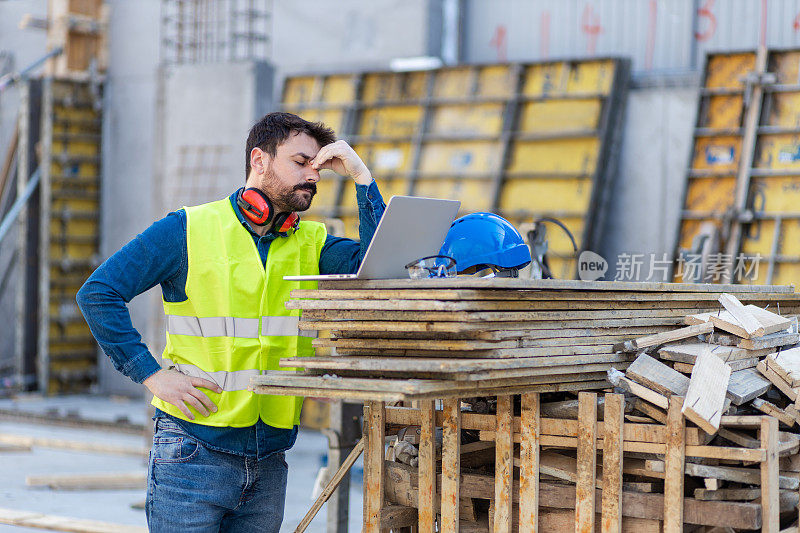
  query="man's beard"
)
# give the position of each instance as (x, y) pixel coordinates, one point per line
(293, 199)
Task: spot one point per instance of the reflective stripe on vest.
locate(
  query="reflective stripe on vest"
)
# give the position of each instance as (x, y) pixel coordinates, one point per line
(228, 381)
(228, 326)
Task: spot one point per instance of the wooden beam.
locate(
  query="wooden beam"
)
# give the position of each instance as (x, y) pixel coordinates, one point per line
(747, 321)
(665, 337)
(674, 467)
(587, 462)
(744, 385)
(427, 467)
(611, 521)
(529, 469)
(770, 482)
(104, 481)
(32, 519)
(374, 469)
(503, 470)
(451, 465)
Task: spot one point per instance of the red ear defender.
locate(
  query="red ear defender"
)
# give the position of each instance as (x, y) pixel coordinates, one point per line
(255, 206)
(286, 221)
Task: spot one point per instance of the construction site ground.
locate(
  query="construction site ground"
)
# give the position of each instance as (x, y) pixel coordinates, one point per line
(117, 506)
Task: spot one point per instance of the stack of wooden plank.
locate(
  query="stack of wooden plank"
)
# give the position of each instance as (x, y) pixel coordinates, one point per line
(415, 339)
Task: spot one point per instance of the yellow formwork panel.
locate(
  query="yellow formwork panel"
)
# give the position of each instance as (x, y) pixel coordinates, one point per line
(496, 81)
(542, 195)
(784, 110)
(74, 204)
(453, 82)
(300, 90)
(60, 251)
(388, 188)
(786, 66)
(74, 226)
(75, 169)
(690, 228)
(333, 118)
(784, 274)
(551, 79)
(76, 148)
(717, 154)
(726, 71)
(76, 328)
(460, 158)
(573, 156)
(387, 86)
(384, 158)
(723, 111)
(757, 237)
(707, 195)
(391, 121)
(474, 194)
(350, 226)
(468, 119)
(778, 152)
(775, 194)
(556, 116)
(339, 89)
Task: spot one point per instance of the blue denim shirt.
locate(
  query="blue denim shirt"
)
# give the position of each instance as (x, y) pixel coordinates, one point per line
(158, 256)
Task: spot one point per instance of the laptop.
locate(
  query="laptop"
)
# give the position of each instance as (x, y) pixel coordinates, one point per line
(411, 228)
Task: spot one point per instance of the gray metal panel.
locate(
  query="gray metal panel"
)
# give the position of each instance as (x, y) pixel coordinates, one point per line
(658, 35)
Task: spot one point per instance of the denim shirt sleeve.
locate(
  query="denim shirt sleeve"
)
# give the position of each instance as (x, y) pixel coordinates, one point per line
(343, 256)
(155, 256)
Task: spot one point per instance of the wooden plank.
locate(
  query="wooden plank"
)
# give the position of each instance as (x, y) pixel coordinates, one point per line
(705, 399)
(687, 353)
(62, 444)
(613, 417)
(786, 364)
(395, 517)
(466, 282)
(748, 476)
(773, 340)
(587, 462)
(32, 519)
(503, 470)
(665, 337)
(657, 376)
(770, 508)
(727, 494)
(638, 505)
(744, 318)
(431, 293)
(332, 485)
(773, 410)
(739, 364)
(427, 467)
(768, 372)
(101, 481)
(451, 466)
(529, 469)
(674, 467)
(374, 467)
(744, 385)
(768, 322)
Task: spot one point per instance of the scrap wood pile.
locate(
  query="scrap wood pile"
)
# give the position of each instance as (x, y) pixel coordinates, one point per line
(413, 339)
(456, 339)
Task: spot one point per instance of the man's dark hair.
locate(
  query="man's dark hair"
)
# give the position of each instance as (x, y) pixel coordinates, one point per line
(273, 130)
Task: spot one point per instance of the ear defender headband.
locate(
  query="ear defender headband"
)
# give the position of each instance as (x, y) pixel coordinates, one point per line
(258, 209)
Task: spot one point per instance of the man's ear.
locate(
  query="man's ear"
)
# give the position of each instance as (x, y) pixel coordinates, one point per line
(259, 160)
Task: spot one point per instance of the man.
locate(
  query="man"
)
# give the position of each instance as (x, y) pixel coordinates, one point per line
(217, 462)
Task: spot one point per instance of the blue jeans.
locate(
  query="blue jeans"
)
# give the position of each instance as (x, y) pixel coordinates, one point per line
(193, 488)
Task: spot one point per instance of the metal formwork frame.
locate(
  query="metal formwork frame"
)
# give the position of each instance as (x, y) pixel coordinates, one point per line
(512, 101)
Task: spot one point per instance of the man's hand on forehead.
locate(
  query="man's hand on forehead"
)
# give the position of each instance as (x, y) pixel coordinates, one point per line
(342, 159)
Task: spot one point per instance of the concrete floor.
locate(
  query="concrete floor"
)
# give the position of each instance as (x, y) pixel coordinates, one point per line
(304, 461)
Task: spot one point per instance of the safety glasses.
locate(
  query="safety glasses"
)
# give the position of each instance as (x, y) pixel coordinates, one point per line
(433, 266)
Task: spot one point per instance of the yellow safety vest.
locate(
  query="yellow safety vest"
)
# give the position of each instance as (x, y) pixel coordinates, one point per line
(234, 324)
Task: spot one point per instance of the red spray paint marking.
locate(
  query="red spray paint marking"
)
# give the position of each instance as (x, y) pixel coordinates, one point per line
(544, 34)
(590, 25)
(651, 35)
(796, 23)
(499, 42)
(706, 12)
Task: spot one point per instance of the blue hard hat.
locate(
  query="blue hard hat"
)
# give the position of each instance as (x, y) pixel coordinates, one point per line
(484, 240)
